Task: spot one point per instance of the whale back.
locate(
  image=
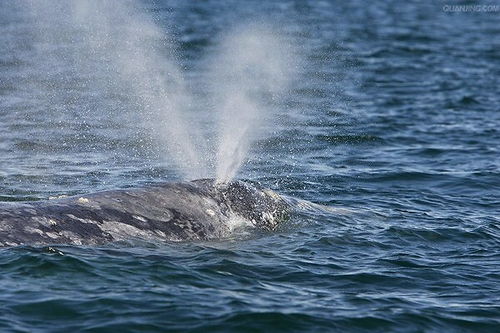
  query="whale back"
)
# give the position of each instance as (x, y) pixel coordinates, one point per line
(197, 210)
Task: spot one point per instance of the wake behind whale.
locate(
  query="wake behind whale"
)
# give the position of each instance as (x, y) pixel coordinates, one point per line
(196, 210)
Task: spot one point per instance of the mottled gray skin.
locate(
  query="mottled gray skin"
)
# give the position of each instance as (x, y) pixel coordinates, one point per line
(197, 210)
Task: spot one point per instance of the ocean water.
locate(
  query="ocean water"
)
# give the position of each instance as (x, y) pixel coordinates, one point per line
(390, 119)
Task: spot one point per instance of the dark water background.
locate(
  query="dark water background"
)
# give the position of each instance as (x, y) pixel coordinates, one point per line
(395, 118)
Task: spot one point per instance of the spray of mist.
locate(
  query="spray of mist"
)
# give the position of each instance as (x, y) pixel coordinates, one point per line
(122, 51)
(119, 49)
(252, 70)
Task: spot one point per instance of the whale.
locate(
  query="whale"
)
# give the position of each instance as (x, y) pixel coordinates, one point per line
(172, 211)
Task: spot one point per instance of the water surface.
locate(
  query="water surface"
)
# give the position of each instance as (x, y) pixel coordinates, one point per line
(394, 117)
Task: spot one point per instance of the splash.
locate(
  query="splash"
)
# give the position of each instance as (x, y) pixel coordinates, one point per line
(120, 50)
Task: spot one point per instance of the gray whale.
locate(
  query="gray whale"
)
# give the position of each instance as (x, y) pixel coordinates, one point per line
(196, 210)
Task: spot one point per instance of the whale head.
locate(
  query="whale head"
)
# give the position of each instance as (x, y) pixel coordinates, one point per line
(263, 207)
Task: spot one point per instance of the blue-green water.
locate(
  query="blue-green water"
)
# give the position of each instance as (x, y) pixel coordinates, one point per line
(392, 121)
